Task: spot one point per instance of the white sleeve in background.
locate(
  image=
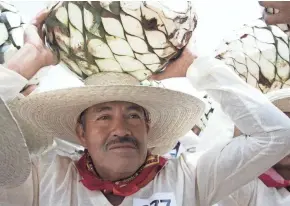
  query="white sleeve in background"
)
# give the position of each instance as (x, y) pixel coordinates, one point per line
(11, 83)
(223, 169)
(256, 193)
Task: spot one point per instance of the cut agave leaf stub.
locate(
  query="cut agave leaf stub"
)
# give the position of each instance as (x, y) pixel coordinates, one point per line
(132, 37)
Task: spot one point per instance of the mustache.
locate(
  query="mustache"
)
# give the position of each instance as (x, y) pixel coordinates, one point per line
(122, 139)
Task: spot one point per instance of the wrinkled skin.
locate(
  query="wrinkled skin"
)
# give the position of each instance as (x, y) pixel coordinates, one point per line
(102, 131)
(115, 134)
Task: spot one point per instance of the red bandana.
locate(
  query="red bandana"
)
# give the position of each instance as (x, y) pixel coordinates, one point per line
(126, 187)
(271, 178)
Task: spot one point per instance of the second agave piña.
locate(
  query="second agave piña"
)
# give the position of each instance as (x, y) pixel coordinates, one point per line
(259, 54)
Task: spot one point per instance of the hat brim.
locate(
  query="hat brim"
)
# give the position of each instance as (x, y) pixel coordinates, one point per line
(55, 113)
(14, 156)
(281, 99)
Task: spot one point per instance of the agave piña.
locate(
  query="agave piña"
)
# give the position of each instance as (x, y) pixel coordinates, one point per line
(135, 37)
(259, 54)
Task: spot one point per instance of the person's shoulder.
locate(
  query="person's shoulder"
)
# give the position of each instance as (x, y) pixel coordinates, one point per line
(65, 161)
(191, 158)
(52, 161)
(187, 162)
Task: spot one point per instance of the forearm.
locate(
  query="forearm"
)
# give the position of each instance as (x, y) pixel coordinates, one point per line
(27, 61)
(16, 72)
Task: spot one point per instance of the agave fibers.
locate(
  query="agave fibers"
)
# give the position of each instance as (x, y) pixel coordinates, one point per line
(135, 37)
(11, 31)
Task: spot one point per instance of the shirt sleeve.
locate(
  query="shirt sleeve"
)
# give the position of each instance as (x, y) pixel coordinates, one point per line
(11, 83)
(29, 193)
(246, 195)
(256, 193)
(225, 168)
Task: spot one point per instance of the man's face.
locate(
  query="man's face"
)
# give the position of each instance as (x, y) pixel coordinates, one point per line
(115, 134)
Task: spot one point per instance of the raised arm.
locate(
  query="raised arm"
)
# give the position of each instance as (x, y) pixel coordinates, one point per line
(223, 169)
(27, 61)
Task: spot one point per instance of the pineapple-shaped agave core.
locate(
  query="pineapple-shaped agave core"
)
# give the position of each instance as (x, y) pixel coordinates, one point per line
(134, 37)
(259, 54)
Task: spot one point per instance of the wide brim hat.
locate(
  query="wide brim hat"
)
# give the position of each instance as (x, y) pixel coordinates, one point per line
(281, 99)
(14, 155)
(55, 113)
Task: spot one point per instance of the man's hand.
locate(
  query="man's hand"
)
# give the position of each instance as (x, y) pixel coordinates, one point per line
(283, 17)
(34, 54)
(34, 36)
(178, 67)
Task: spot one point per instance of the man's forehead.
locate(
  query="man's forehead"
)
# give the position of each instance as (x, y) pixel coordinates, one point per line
(115, 104)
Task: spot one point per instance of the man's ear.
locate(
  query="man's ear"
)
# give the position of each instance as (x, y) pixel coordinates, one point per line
(148, 127)
(81, 134)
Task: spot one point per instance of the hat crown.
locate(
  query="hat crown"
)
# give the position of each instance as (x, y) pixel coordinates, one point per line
(116, 78)
(111, 78)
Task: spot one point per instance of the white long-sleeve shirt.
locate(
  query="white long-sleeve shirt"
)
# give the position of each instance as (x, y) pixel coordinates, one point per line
(256, 193)
(200, 179)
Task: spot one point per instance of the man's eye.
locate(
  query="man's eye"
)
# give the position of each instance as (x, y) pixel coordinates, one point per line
(134, 116)
(105, 117)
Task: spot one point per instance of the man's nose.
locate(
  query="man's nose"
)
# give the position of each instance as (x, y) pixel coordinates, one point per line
(121, 128)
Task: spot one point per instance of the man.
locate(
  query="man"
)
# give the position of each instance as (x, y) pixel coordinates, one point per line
(118, 124)
(272, 187)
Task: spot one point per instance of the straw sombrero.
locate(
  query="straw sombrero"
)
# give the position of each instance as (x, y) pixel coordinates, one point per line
(14, 154)
(281, 99)
(55, 113)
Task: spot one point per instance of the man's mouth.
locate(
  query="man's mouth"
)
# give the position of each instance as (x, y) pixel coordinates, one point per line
(122, 146)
